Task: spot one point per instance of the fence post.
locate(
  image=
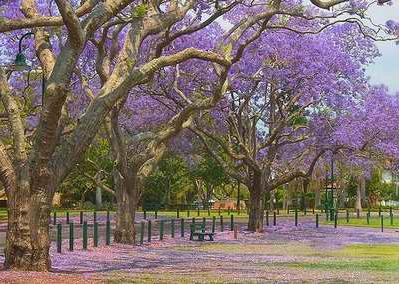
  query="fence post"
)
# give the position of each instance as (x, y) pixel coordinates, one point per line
(142, 232)
(331, 214)
(267, 218)
(213, 224)
(357, 213)
(59, 237)
(274, 218)
(379, 211)
(368, 218)
(313, 210)
(221, 223)
(231, 222)
(71, 236)
(95, 234)
(172, 228)
(382, 223)
(55, 218)
(81, 217)
(94, 216)
(67, 217)
(296, 217)
(193, 220)
(347, 216)
(317, 220)
(145, 214)
(335, 219)
(149, 231)
(182, 227)
(161, 225)
(85, 235)
(390, 211)
(204, 221)
(235, 232)
(198, 212)
(108, 232)
(156, 214)
(391, 216)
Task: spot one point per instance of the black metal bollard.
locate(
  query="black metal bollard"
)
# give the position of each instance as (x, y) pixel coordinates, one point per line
(156, 214)
(81, 218)
(231, 222)
(267, 218)
(108, 233)
(108, 216)
(274, 218)
(313, 210)
(391, 217)
(161, 227)
(390, 211)
(149, 231)
(182, 228)
(213, 224)
(221, 223)
(296, 218)
(67, 217)
(95, 234)
(347, 216)
(142, 233)
(317, 220)
(335, 219)
(203, 221)
(379, 211)
(193, 220)
(94, 216)
(71, 236)
(59, 237)
(368, 218)
(382, 223)
(145, 214)
(172, 228)
(85, 235)
(357, 213)
(55, 218)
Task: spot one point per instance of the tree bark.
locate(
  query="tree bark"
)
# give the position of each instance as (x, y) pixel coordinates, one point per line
(126, 210)
(255, 222)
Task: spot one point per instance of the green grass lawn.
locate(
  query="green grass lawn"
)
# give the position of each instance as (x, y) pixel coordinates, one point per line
(273, 262)
(374, 222)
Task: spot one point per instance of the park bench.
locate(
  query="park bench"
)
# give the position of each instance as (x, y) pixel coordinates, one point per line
(198, 230)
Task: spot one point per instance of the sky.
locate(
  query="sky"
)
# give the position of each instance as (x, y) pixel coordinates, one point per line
(385, 70)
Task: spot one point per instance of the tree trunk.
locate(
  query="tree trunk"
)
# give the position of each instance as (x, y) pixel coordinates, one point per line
(28, 240)
(358, 204)
(125, 191)
(255, 222)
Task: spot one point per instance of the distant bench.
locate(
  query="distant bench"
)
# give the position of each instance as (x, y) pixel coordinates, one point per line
(198, 230)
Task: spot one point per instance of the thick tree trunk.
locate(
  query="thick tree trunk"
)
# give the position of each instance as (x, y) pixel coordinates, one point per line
(28, 240)
(255, 222)
(126, 208)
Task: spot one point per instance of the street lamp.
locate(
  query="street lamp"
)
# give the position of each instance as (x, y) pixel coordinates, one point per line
(20, 63)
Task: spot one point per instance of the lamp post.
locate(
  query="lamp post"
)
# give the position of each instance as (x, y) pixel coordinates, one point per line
(20, 63)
